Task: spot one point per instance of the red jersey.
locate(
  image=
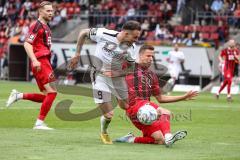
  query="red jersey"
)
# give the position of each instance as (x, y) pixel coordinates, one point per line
(142, 84)
(40, 37)
(230, 60)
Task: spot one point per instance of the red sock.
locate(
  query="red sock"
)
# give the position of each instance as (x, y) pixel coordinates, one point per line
(46, 105)
(229, 86)
(165, 124)
(34, 97)
(144, 140)
(223, 86)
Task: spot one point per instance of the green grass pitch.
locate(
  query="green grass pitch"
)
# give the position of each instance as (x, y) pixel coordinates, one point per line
(213, 131)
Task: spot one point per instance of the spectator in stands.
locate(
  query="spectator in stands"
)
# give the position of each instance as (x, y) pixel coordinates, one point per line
(12, 12)
(4, 67)
(178, 39)
(180, 5)
(143, 6)
(162, 33)
(84, 4)
(186, 31)
(166, 9)
(145, 25)
(232, 6)
(225, 7)
(221, 31)
(208, 13)
(195, 34)
(57, 19)
(153, 24)
(188, 41)
(237, 17)
(200, 40)
(131, 13)
(216, 6)
(24, 31)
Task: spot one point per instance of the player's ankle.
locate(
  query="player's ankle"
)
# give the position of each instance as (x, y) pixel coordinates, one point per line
(131, 140)
(39, 122)
(19, 96)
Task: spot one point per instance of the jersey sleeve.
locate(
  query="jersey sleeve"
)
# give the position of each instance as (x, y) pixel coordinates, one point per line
(95, 34)
(223, 53)
(182, 57)
(33, 33)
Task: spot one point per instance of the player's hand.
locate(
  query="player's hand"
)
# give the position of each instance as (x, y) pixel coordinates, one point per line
(73, 63)
(37, 65)
(191, 95)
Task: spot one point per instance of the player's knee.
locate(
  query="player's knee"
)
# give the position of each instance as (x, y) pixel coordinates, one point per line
(109, 115)
(159, 139)
(166, 111)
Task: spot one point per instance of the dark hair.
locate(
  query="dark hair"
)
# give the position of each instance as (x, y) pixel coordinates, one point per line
(44, 3)
(131, 25)
(145, 47)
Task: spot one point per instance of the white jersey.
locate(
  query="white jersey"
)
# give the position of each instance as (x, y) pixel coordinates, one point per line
(175, 58)
(109, 50)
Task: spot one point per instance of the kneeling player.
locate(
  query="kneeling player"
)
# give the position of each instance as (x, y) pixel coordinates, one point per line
(142, 84)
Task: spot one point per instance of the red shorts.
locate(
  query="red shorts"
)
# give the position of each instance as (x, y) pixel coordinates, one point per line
(228, 74)
(45, 75)
(147, 130)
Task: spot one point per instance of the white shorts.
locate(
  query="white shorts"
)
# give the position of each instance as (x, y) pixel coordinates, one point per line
(174, 72)
(104, 87)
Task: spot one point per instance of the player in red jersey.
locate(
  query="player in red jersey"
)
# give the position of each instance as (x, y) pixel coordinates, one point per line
(37, 46)
(229, 56)
(142, 84)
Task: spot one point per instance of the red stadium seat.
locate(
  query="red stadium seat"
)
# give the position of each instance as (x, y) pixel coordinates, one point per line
(151, 36)
(214, 36)
(179, 28)
(205, 35)
(205, 29)
(213, 29)
(198, 28)
(77, 10)
(177, 34)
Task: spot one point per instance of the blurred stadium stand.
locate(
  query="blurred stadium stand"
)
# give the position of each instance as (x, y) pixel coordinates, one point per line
(187, 22)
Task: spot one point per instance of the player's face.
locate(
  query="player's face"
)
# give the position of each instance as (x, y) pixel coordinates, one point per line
(146, 57)
(132, 36)
(46, 12)
(231, 43)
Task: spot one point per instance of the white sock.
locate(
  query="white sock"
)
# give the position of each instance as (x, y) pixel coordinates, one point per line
(19, 95)
(104, 124)
(229, 95)
(168, 135)
(131, 140)
(38, 122)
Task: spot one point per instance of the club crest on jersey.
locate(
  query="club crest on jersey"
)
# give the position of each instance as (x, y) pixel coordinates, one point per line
(31, 37)
(93, 31)
(109, 46)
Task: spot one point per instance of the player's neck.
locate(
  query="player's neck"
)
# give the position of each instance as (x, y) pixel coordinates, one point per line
(42, 20)
(120, 37)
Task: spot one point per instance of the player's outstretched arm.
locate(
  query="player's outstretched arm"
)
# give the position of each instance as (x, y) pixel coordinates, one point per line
(80, 41)
(168, 99)
(29, 49)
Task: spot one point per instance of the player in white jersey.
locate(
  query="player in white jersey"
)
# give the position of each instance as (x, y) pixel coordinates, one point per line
(175, 59)
(113, 50)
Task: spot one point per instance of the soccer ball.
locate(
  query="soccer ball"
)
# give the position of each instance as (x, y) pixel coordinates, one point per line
(147, 114)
